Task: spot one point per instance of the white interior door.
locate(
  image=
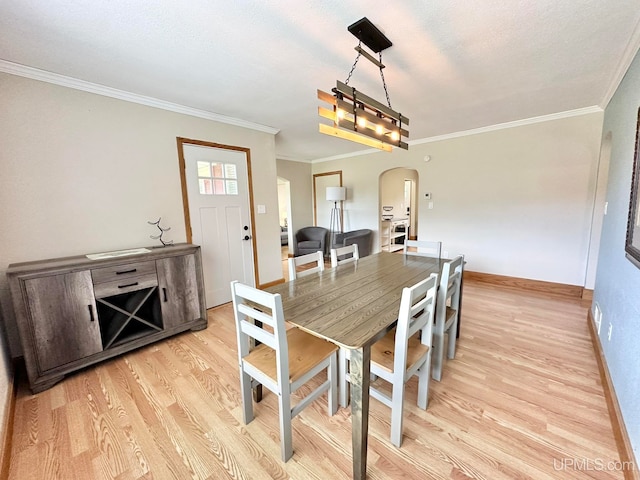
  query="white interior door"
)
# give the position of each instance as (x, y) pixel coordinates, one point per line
(218, 195)
(408, 205)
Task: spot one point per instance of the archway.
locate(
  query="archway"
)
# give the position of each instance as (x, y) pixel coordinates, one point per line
(398, 197)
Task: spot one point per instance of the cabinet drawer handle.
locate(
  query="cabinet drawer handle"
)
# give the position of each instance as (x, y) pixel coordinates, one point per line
(128, 285)
(91, 313)
(164, 292)
(133, 270)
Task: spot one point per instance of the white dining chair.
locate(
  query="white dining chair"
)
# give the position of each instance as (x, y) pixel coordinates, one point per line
(285, 359)
(447, 314)
(303, 260)
(344, 255)
(423, 248)
(403, 352)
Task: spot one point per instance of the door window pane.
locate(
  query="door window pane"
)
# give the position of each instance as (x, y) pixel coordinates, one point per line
(218, 186)
(217, 170)
(205, 186)
(232, 187)
(217, 178)
(230, 170)
(204, 169)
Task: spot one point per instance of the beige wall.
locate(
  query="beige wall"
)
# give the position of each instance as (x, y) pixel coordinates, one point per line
(300, 184)
(516, 201)
(83, 173)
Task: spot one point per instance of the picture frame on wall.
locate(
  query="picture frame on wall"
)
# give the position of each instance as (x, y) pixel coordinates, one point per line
(632, 243)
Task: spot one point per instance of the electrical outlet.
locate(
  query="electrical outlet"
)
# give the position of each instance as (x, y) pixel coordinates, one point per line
(610, 330)
(597, 317)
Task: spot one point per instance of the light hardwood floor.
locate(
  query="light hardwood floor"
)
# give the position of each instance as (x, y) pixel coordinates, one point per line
(522, 400)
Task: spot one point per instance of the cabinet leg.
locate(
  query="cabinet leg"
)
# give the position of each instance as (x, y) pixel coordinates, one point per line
(197, 328)
(42, 386)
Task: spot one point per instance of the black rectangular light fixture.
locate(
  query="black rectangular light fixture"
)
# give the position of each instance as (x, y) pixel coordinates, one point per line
(370, 35)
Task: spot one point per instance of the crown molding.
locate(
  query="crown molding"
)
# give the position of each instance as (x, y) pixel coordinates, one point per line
(475, 131)
(289, 158)
(347, 155)
(623, 65)
(69, 82)
(516, 123)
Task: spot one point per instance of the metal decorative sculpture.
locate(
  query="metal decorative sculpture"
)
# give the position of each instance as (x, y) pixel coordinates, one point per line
(162, 230)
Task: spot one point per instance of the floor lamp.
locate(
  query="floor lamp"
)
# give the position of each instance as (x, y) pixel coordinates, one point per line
(335, 195)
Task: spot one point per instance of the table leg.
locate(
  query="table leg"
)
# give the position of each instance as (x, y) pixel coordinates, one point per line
(257, 394)
(460, 307)
(359, 370)
(257, 390)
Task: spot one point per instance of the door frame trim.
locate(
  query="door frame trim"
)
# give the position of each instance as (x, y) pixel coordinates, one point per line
(315, 206)
(185, 201)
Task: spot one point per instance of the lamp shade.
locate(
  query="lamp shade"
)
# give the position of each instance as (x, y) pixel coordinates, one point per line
(335, 194)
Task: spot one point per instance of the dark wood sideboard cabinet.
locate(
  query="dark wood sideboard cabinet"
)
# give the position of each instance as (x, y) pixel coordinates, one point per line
(72, 312)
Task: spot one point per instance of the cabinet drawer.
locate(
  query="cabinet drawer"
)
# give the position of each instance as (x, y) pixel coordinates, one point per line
(124, 285)
(118, 273)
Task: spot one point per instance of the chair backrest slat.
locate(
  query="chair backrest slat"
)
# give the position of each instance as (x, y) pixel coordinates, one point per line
(260, 334)
(421, 311)
(423, 248)
(259, 297)
(294, 262)
(338, 255)
(255, 314)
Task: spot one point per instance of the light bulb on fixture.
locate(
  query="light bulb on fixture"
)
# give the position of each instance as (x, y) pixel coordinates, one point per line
(379, 129)
(394, 135)
(362, 122)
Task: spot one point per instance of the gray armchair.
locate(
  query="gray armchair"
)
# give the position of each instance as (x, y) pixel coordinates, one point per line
(361, 237)
(309, 240)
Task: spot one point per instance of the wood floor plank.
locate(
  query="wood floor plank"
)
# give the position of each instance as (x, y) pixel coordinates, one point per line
(521, 400)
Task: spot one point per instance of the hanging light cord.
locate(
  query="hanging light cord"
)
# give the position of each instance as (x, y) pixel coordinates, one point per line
(353, 67)
(354, 63)
(384, 84)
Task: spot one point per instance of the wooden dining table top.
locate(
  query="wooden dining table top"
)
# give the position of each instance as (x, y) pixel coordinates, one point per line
(352, 304)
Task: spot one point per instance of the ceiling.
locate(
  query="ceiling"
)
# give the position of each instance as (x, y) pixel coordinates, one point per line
(455, 65)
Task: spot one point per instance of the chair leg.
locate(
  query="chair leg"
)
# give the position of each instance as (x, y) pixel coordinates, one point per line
(286, 443)
(343, 372)
(332, 394)
(423, 384)
(451, 350)
(247, 397)
(397, 402)
(437, 356)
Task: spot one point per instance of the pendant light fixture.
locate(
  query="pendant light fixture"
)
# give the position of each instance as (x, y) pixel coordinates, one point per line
(356, 116)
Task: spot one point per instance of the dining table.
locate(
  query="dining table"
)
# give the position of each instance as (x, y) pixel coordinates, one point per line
(354, 305)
